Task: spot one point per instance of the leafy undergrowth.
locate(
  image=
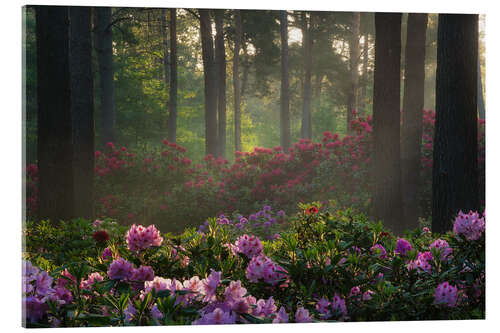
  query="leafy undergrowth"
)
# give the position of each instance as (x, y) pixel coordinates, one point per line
(325, 266)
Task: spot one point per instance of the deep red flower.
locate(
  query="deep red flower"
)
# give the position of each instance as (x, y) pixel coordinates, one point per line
(312, 210)
(101, 236)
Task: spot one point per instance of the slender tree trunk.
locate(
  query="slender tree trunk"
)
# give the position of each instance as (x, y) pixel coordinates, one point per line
(413, 104)
(207, 45)
(284, 94)
(480, 96)
(386, 121)
(220, 60)
(455, 169)
(236, 80)
(307, 41)
(363, 97)
(246, 68)
(55, 150)
(172, 114)
(352, 96)
(104, 48)
(82, 109)
(317, 91)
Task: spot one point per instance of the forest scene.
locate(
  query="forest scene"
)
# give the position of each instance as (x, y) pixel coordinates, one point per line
(227, 166)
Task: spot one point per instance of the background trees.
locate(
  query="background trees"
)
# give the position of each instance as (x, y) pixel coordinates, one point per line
(294, 74)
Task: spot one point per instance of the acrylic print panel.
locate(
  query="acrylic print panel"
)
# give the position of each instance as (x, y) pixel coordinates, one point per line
(197, 166)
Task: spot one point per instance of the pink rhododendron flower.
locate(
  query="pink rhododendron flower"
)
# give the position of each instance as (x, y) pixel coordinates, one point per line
(446, 294)
(422, 263)
(91, 280)
(281, 316)
(379, 250)
(471, 225)
(140, 238)
(156, 313)
(210, 284)
(443, 248)
(402, 247)
(218, 316)
(302, 316)
(265, 308)
(143, 273)
(235, 291)
(120, 269)
(248, 245)
(262, 267)
(338, 306)
(106, 253)
(323, 307)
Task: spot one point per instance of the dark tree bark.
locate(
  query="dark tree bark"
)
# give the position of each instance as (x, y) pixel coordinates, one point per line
(209, 69)
(172, 114)
(236, 80)
(54, 145)
(284, 94)
(307, 41)
(413, 104)
(480, 97)
(82, 109)
(220, 61)
(352, 96)
(455, 169)
(104, 47)
(386, 120)
(317, 91)
(363, 97)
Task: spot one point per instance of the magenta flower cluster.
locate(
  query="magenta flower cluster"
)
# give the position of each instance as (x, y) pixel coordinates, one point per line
(422, 263)
(140, 238)
(248, 245)
(471, 225)
(335, 308)
(262, 267)
(37, 290)
(443, 247)
(402, 247)
(379, 250)
(446, 294)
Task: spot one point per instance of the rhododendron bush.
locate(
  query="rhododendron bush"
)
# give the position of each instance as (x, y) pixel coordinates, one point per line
(329, 265)
(162, 184)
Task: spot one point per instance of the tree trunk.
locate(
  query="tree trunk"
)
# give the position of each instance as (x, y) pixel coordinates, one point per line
(386, 119)
(236, 80)
(455, 169)
(413, 104)
(104, 48)
(246, 68)
(307, 41)
(352, 96)
(220, 60)
(82, 109)
(172, 114)
(55, 150)
(207, 45)
(363, 97)
(480, 97)
(284, 94)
